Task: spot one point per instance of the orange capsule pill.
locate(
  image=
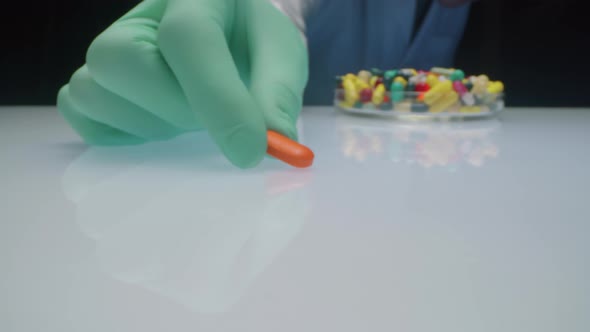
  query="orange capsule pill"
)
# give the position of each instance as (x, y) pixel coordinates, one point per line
(421, 96)
(289, 151)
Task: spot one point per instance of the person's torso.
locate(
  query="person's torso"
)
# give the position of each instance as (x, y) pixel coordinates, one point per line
(350, 35)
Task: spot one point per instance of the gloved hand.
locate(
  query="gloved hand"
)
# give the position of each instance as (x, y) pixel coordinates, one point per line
(233, 67)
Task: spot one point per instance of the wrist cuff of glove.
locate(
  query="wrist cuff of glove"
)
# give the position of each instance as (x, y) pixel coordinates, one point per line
(295, 10)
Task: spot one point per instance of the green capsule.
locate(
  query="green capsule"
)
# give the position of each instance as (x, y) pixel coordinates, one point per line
(457, 75)
(377, 72)
(397, 91)
(390, 74)
(397, 86)
(388, 78)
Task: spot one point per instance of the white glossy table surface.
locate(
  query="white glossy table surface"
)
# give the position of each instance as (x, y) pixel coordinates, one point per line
(463, 226)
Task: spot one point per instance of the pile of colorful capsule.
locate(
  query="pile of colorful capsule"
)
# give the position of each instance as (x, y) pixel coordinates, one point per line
(437, 91)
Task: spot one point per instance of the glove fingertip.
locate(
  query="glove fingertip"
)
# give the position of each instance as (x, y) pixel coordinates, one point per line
(285, 128)
(244, 147)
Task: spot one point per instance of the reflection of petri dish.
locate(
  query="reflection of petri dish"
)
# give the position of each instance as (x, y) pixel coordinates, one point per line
(409, 107)
(426, 144)
(459, 128)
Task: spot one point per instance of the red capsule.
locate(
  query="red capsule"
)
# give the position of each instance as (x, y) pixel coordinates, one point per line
(378, 81)
(366, 95)
(422, 87)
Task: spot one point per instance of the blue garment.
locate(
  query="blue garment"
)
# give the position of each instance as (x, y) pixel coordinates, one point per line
(346, 36)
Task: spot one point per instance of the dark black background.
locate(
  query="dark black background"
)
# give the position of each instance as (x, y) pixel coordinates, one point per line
(538, 48)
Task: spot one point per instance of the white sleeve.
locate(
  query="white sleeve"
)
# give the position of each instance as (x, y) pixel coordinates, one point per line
(295, 10)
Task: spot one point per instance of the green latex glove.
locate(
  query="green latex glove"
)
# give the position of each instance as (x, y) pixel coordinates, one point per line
(233, 67)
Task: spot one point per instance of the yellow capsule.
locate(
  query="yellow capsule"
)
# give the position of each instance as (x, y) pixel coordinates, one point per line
(480, 85)
(484, 78)
(379, 94)
(364, 75)
(347, 104)
(348, 84)
(404, 106)
(478, 88)
(437, 92)
(401, 80)
(409, 71)
(344, 104)
(361, 85)
(349, 77)
(470, 109)
(455, 108)
(432, 80)
(442, 71)
(373, 80)
(444, 102)
(496, 87)
(349, 80)
(351, 95)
